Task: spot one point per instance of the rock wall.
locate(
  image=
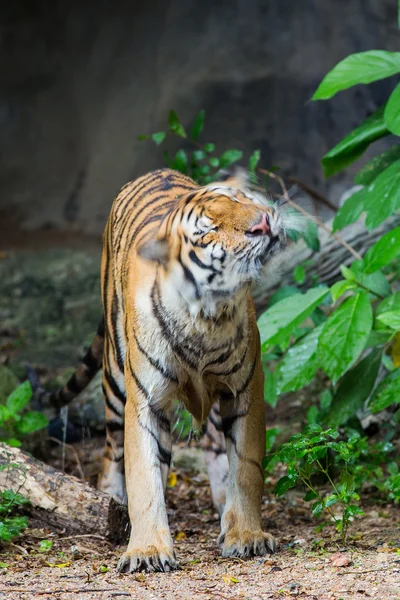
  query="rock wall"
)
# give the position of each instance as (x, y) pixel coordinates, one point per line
(81, 80)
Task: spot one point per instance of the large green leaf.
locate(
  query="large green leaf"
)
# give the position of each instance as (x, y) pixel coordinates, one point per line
(387, 392)
(229, 157)
(19, 397)
(175, 125)
(392, 111)
(390, 319)
(354, 389)
(344, 335)
(354, 144)
(349, 211)
(383, 196)
(362, 67)
(383, 252)
(279, 321)
(376, 282)
(299, 364)
(378, 164)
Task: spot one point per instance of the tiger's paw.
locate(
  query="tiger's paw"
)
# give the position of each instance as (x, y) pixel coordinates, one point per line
(245, 544)
(149, 559)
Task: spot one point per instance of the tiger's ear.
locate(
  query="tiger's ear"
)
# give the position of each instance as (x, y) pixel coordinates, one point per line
(155, 250)
(235, 177)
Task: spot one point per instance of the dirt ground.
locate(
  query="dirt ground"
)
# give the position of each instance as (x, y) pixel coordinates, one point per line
(40, 327)
(307, 564)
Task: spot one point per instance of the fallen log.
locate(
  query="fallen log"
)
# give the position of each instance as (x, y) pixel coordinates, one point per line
(58, 501)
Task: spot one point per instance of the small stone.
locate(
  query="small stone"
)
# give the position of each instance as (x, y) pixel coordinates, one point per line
(340, 560)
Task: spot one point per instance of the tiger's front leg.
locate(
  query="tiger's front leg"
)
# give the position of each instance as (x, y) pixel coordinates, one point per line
(243, 422)
(147, 460)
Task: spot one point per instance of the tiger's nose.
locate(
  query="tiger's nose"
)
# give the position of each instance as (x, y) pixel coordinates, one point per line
(260, 228)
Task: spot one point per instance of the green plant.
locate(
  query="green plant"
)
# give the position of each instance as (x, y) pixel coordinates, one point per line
(312, 453)
(15, 421)
(11, 523)
(45, 545)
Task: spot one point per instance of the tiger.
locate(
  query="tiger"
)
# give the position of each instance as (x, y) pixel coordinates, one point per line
(179, 324)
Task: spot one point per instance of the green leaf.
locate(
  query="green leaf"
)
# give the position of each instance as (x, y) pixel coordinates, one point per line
(382, 198)
(350, 211)
(284, 484)
(13, 442)
(391, 319)
(300, 363)
(390, 303)
(376, 282)
(355, 143)
(32, 421)
(331, 500)
(340, 287)
(344, 335)
(214, 162)
(175, 125)
(254, 160)
(270, 437)
(209, 148)
(279, 321)
(270, 390)
(299, 274)
(392, 112)
(45, 545)
(19, 398)
(198, 125)
(354, 389)
(199, 155)
(347, 273)
(387, 392)
(317, 508)
(383, 252)
(180, 162)
(310, 236)
(229, 157)
(361, 67)
(143, 137)
(378, 164)
(310, 495)
(312, 414)
(159, 137)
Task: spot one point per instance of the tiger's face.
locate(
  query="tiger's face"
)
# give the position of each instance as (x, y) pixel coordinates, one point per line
(216, 241)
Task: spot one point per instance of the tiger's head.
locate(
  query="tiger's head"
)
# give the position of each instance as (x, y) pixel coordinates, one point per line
(217, 239)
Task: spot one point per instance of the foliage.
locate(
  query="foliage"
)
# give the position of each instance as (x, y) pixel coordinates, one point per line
(308, 454)
(11, 522)
(15, 421)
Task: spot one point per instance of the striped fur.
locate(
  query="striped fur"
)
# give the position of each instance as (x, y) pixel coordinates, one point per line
(179, 323)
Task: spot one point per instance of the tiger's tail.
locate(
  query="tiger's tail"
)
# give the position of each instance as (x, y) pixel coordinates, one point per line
(83, 375)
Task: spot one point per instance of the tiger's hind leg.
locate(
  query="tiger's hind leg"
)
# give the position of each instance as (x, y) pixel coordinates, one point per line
(216, 458)
(112, 475)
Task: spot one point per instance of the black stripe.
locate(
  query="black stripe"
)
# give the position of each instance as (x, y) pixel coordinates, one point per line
(114, 387)
(155, 362)
(190, 278)
(101, 328)
(161, 417)
(228, 422)
(193, 256)
(115, 313)
(73, 385)
(110, 405)
(249, 378)
(113, 426)
(91, 362)
(217, 425)
(164, 455)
